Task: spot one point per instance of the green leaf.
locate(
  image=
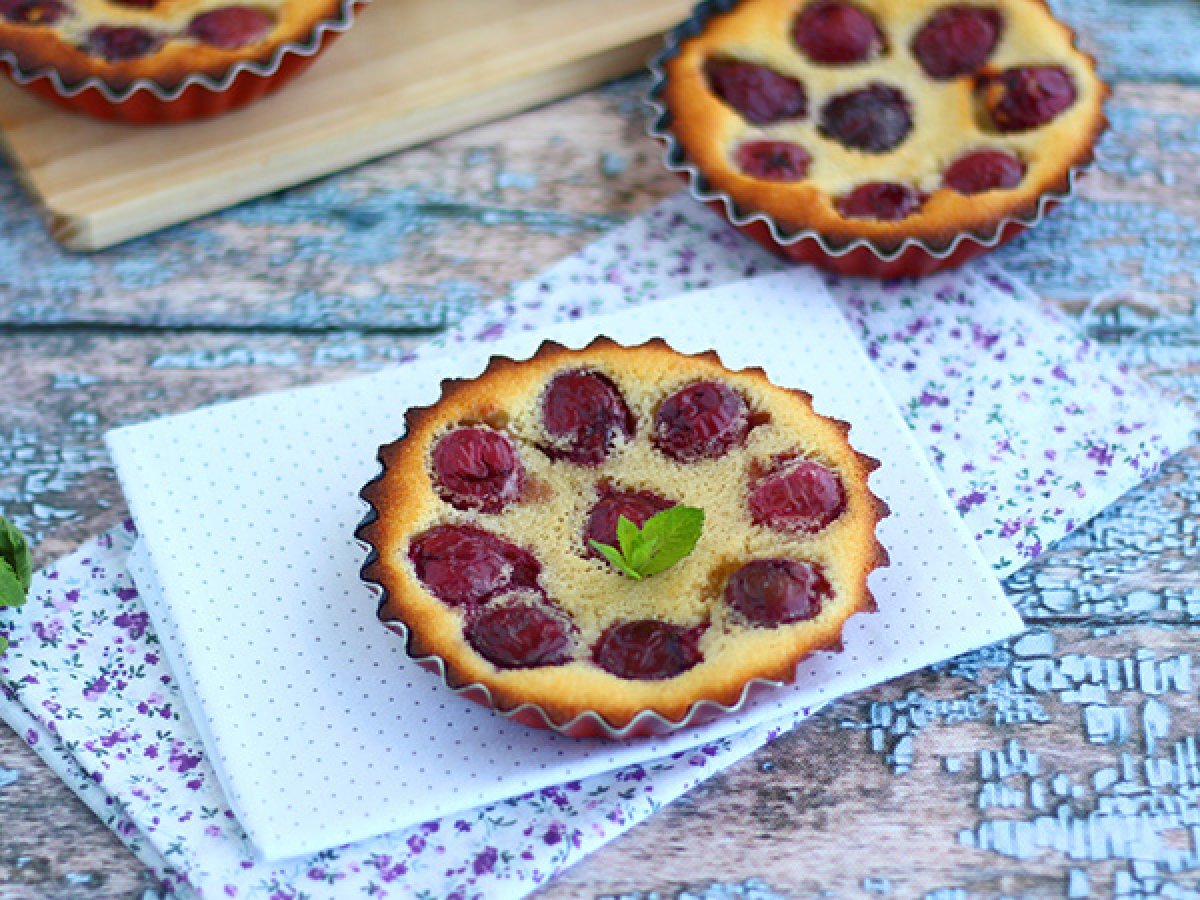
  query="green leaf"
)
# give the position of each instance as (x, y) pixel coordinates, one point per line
(16, 565)
(627, 536)
(662, 541)
(613, 555)
(669, 536)
(14, 550)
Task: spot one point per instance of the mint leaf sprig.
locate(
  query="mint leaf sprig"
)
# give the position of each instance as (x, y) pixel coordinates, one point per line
(665, 539)
(16, 568)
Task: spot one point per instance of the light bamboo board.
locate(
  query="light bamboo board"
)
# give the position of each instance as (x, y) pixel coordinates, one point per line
(410, 71)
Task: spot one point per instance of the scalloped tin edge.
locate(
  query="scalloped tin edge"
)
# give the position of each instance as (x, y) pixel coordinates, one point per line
(647, 722)
(675, 161)
(263, 69)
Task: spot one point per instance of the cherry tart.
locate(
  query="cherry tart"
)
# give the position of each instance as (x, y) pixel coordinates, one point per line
(134, 59)
(484, 515)
(881, 125)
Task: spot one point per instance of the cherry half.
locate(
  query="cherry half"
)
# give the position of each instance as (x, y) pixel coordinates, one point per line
(231, 27)
(799, 495)
(477, 468)
(774, 592)
(116, 43)
(957, 40)
(702, 421)
(33, 12)
(773, 160)
(636, 506)
(881, 200)
(464, 566)
(760, 94)
(648, 649)
(874, 119)
(836, 33)
(585, 414)
(984, 170)
(1026, 97)
(520, 635)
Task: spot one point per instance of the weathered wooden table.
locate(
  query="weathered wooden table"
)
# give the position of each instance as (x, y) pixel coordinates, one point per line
(930, 785)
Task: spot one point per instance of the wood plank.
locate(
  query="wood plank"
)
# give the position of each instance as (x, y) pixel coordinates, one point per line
(411, 240)
(462, 62)
(420, 237)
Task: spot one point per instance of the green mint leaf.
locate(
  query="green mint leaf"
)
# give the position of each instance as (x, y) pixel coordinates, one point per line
(667, 537)
(613, 555)
(627, 536)
(16, 565)
(14, 550)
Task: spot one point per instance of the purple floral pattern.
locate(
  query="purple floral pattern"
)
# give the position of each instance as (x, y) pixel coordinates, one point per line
(1032, 429)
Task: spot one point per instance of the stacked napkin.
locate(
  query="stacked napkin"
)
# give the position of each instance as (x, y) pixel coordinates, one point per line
(1033, 430)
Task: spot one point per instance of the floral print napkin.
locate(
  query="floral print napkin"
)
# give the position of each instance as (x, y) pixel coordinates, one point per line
(1033, 430)
(87, 686)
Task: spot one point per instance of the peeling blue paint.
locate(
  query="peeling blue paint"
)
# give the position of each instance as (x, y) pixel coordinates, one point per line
(522, 181)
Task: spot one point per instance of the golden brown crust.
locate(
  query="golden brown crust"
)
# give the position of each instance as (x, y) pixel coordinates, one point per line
(945, 117)
(404, 504)
(56, 47)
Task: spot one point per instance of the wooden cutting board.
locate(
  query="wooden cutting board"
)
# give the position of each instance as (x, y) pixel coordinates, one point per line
(410, 71)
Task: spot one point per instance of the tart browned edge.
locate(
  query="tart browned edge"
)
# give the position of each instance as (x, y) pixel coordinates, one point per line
(794, 220)
(385, 527)
(41, 49)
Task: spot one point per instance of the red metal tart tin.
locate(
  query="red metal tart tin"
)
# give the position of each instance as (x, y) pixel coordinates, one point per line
(861, 257)
(197, 97)
(589, 723)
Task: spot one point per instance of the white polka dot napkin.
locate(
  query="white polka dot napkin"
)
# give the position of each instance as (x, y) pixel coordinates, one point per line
(320, 730)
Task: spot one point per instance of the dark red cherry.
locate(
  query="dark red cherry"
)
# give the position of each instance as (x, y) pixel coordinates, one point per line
(648, 649)
(760, 94)
(231, 27)
(463, 566)
(799, 495)
(874, 119)
(836, 33)
(1027, 97)
(518, 634)
(585, 414)
(33, 12)
(773, 160)
(702, 421)
(984, 170)
(774, 592)
(636, 506)
(880, 200)
(477, 468)
(115, 43)
(957, 40)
